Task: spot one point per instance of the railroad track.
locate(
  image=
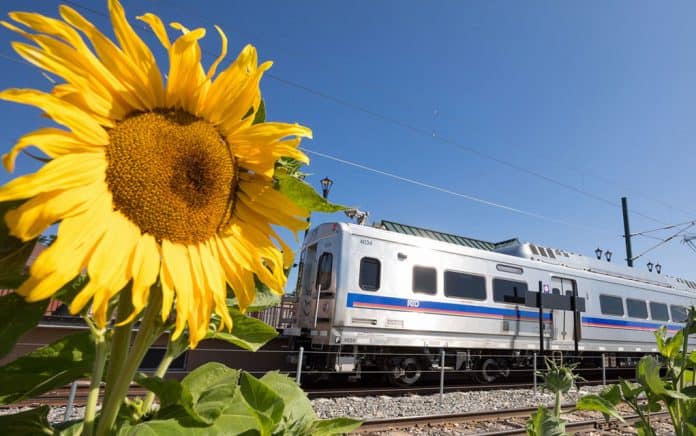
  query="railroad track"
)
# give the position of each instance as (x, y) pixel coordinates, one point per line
(59, 397)
(379, 425)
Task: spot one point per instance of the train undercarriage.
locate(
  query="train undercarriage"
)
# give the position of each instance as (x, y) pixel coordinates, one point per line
(405, 367)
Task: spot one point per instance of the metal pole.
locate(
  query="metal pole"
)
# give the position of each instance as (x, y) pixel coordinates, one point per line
(541, 318)
(71, 401)
(604, 370)
(442, 376)
(535, 372)
(299, 365)
(627, 232)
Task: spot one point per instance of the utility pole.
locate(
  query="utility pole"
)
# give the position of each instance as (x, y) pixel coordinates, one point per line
(627, 232)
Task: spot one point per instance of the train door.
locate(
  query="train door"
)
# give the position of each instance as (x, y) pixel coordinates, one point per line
(564, 321)
(317, 297)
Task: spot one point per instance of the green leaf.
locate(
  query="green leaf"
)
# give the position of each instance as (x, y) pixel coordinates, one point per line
(30, 422)
(212, 386)
(47, 368)
(305, 196)
(599, 404)
(671, 347)
(648, 374)
(201, 396)
(260, 115)
(545, 423)
(630, 391)
(643, 429)
(325, 427)
(14, 253)
(298, 409)
(247, 332)
(236, 419)
(16, 318)
(265, 404)
(612, 394)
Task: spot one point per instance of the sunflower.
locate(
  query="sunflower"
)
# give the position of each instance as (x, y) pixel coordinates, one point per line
(150, 179)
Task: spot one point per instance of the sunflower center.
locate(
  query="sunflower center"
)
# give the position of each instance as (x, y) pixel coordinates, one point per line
(172, 174)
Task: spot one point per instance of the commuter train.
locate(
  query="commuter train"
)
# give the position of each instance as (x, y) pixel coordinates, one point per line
(391, 297)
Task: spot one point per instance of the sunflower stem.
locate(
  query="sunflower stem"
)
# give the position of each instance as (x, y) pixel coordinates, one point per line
(150, 329)
(100, 345)
(120, 342)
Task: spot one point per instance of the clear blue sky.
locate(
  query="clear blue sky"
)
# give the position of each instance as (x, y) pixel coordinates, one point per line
(599, 96)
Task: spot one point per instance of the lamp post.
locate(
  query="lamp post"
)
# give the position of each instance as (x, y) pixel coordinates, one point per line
(598, 253)
(326, 184)
(650, 266)
(608, 254)
(658, 268)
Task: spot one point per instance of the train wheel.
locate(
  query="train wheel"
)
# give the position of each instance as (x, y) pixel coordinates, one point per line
(405, 372)
(492, 370)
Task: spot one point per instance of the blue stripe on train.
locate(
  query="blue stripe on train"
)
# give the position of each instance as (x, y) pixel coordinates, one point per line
(626, 325)
(423, 306)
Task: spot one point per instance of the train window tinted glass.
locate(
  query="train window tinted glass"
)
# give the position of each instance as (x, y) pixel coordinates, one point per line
(369, 274)
(324, 271)
(534, 249)
(678, 313)
(460, 285)
(659, 311)
(611, 305)
(424, 280)
(636, 308)
(509, 269)
(504, 291)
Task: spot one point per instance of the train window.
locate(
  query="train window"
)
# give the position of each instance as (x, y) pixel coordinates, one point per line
(534, 249)
(324, 271)
(636, 308)
(369, 274)
(509, 269)
(659, 311)
(460, 285)
(678, 313)
(424, 280)
(505, 290)
(611, 305)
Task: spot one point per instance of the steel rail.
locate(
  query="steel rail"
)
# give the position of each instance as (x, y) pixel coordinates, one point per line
(374, 425)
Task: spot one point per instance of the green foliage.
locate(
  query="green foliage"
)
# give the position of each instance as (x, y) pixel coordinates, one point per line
(71, 289)
(46, 368)
(214, 399)
(13, 252)
(29, 422)
(247, 332)
(674, 391)
(16, 318)
(545, 423)
(304, 195)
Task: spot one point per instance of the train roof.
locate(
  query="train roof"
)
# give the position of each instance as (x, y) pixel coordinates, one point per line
(536, 252)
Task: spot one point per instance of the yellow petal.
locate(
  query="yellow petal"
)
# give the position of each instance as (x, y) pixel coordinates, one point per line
(249, 97)
(215, 279)
(65, 172)
(176, 263)
(185, 71)
(228, 84)
(76, 235)
(132, 83)
(139, 52)
(241, 281)
(157, 28)
(53, 142)
(61, 112)
(108, 266)
(223, 53)
(34, 216)
(145, 267)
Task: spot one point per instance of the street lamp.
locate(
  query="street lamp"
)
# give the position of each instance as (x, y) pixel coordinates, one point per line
(608, 254)
(326, 184)
(650, 266)
(658, 268)
(598, 253)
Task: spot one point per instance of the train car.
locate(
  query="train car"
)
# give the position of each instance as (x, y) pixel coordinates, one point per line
(391, 297)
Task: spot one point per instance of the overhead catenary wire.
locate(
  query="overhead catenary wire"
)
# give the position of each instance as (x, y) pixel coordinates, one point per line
(664, 241)
(444, 190)
(407, 126)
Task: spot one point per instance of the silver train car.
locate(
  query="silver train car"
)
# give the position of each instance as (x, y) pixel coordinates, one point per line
(390, 300)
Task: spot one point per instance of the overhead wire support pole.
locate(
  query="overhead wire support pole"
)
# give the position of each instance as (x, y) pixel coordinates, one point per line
(627, 232)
